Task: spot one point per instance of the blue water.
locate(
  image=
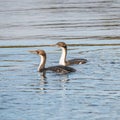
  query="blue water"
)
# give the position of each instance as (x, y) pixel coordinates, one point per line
(91, 30)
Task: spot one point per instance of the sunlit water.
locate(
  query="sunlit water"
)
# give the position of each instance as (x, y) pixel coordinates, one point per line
(91, 29)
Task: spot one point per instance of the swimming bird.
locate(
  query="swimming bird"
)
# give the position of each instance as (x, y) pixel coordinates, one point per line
(58, 69)
(63, 60)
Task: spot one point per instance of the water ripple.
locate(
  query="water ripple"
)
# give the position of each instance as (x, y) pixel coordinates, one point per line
(91, 30)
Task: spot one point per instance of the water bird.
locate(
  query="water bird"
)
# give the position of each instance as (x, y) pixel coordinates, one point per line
(63, 60)
(58, 69)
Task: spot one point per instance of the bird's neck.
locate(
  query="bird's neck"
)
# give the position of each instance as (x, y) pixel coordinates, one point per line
(63, 56)
(42, 64)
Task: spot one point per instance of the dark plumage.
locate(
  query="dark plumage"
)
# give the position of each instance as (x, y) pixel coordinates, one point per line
(58, 69)
(61, 69)
(63, 60)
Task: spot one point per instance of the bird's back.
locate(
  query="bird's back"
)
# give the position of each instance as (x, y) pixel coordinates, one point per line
(76, 61)
(61, 69)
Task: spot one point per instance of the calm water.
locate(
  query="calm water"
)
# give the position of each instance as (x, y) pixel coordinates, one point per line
(91, 29)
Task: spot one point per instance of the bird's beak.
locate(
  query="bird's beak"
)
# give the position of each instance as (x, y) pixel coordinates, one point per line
(52, 45)
(33, 51)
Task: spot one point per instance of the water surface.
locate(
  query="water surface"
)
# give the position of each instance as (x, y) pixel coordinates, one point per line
(91, 30)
